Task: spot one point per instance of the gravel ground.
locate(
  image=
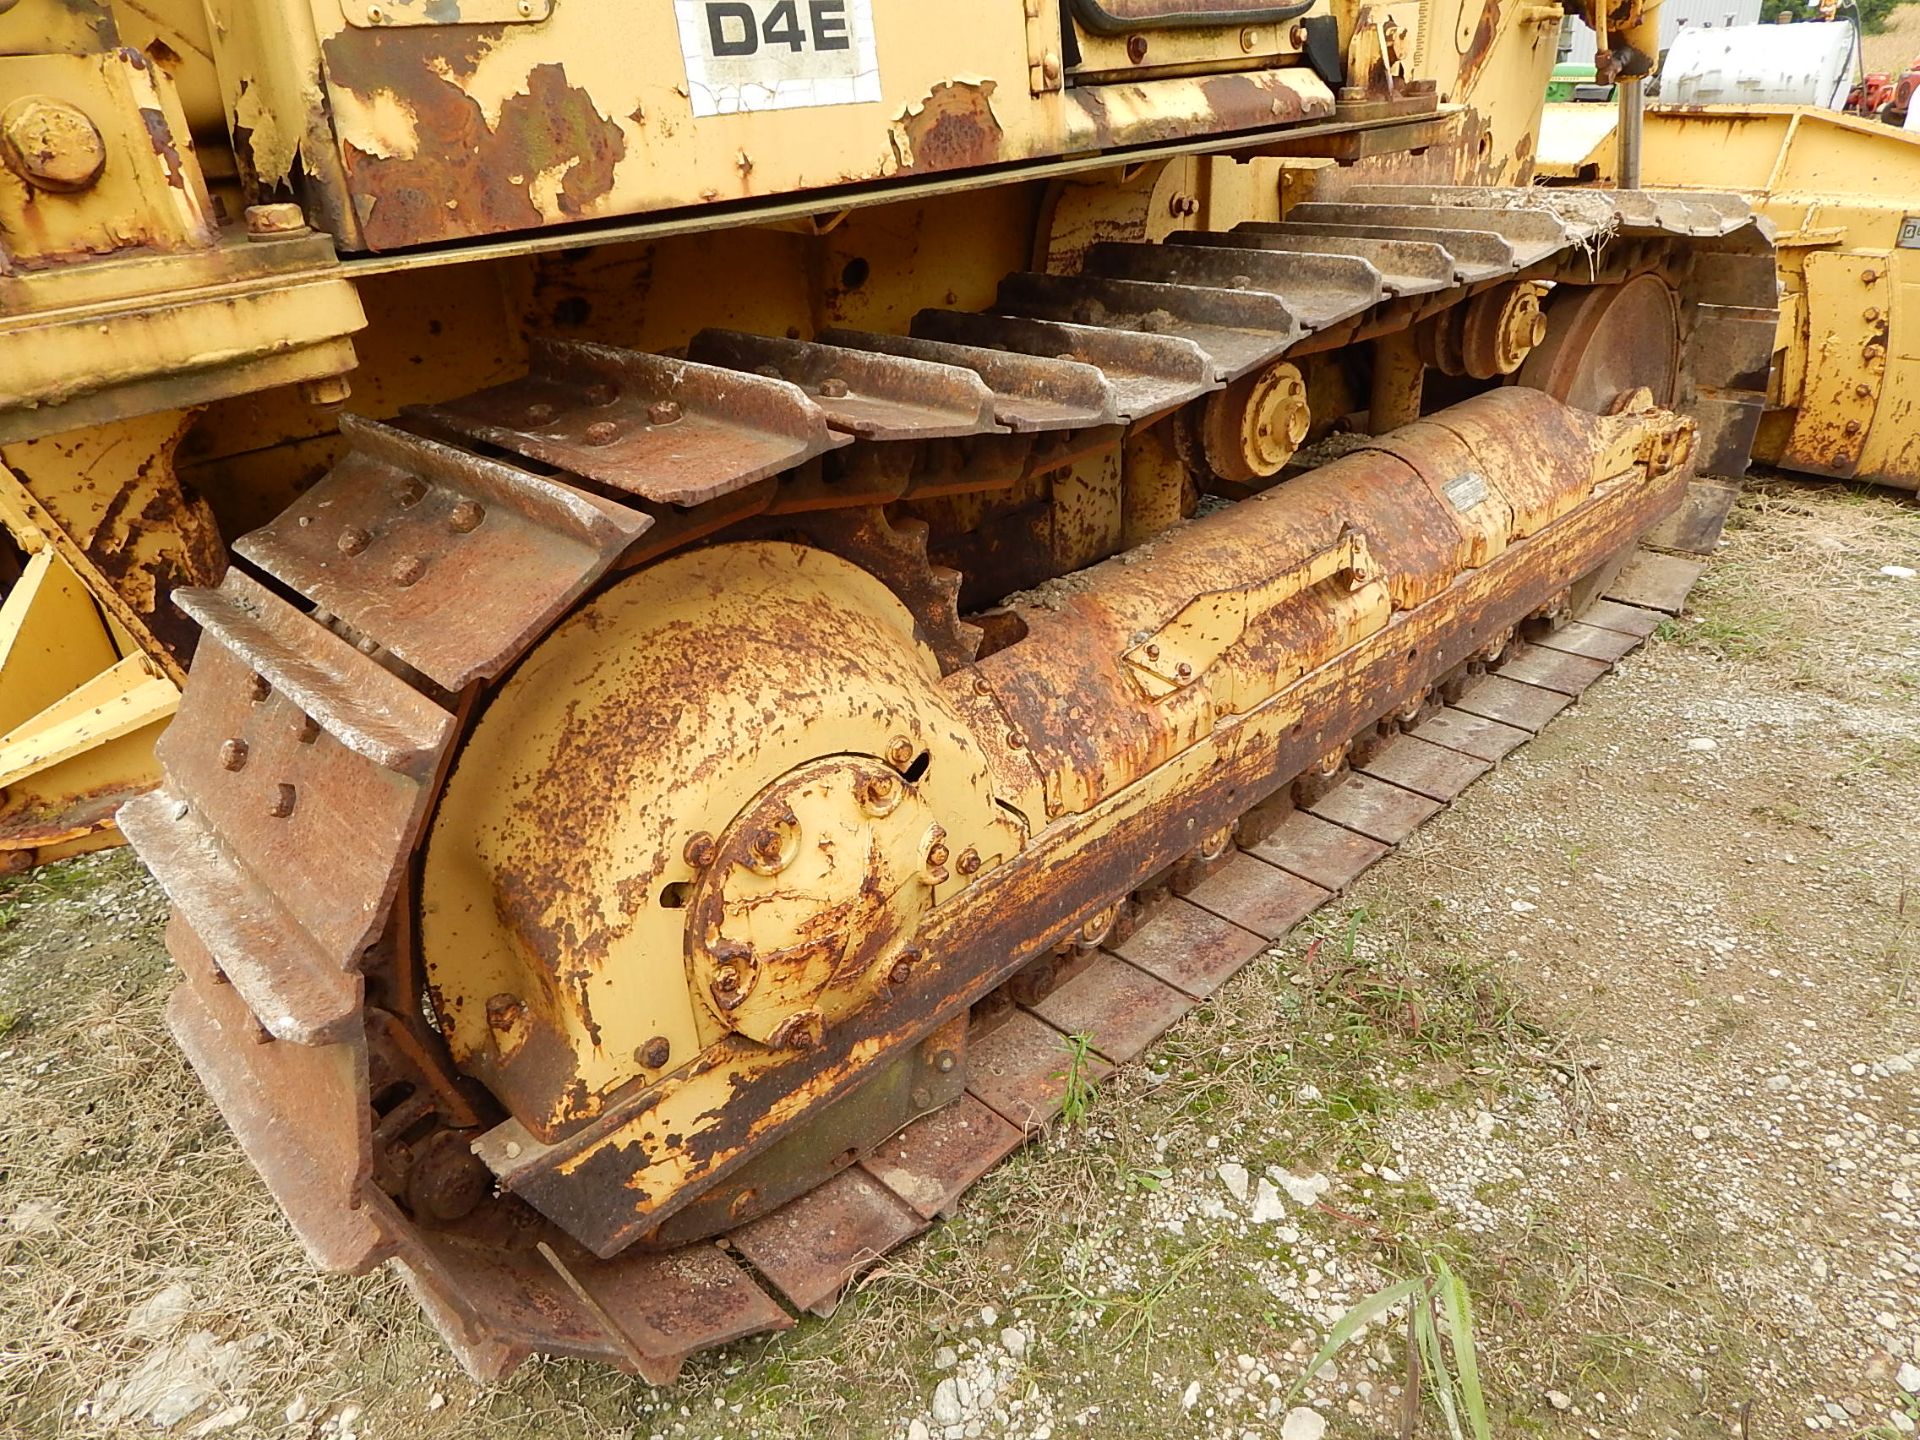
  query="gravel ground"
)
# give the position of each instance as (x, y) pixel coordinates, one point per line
(1626, 1040)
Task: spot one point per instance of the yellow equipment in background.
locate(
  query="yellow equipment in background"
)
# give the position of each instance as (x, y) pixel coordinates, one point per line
(1843, 193)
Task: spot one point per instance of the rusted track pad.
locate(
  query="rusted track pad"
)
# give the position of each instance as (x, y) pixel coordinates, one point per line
(1134, 992)
(647, 1312)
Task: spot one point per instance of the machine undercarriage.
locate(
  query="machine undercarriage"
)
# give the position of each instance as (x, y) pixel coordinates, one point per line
(664, 798)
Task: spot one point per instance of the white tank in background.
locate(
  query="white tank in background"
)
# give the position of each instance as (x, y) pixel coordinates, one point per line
(1806, 64)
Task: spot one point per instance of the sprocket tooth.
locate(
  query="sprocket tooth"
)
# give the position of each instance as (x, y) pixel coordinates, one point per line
(896, 554)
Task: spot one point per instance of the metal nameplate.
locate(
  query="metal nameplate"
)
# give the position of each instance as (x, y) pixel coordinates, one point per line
(777, 54)
(1466, 490)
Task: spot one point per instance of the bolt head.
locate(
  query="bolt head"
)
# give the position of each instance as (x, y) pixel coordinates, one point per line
(466, 516)
(281, 805)
(266, 221)
(805, 1031)
(329, 392)
(407, 570)
(663, 412)
(880, 794)
(1136, 48)
(833, 388)
(233, 754)
(540, 414)
(700, 850)
(900, 752)
(353, 540)
(655, 1053)
(602, 432)
(969, 861)
(51, 144)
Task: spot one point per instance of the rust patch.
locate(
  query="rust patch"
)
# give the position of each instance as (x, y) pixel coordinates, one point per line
(161, 138)
(1522, 172)
(465, 177)
(1478, 49)
(954, 129)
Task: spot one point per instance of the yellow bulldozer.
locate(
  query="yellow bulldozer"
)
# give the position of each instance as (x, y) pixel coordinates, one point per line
(733, 571)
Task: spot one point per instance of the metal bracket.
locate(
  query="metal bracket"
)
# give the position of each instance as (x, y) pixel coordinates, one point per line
(379, 14)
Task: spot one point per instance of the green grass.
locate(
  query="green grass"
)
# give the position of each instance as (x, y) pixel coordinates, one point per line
(1080, 1089)
(1442, 1353)
(1747, 633)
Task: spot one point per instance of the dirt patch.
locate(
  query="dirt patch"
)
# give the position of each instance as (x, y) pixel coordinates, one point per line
(1627, 1037)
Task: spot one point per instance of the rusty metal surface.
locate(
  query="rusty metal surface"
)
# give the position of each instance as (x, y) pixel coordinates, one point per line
(812, 1249)
(1116, 765)
(1424, 766)
(1147, 373)
(1653, 581)
(1552, 668)
(873, 396)
(643, 1313)
(1605, 341)
(295, 1108)
(1404, 267)
(933, 1160)
(1471, 734)
(287, 727)
(1512, 703)
(1318, 290)
(831, 1139)
(1477, 254)
(1534, 235)
(1119, 1007)
(666, 430)
(1325, 854)
(1257, 896)
(1019, 1069)
(1030, 392)
(1374, 808)
(1625, 619)
(1191, 949)
(1237, 330)
(452, 561)
(1579, 637)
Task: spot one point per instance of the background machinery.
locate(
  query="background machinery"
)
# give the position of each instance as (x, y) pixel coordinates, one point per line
(726, 549)
(1843, 194)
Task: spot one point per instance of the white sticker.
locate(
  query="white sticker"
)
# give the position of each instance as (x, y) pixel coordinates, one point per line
(777, 54)
(1466, 490)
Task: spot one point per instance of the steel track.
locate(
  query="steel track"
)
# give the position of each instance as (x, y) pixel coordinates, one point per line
(429, 568)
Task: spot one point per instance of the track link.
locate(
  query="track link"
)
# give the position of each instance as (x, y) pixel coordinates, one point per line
(311, 743)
